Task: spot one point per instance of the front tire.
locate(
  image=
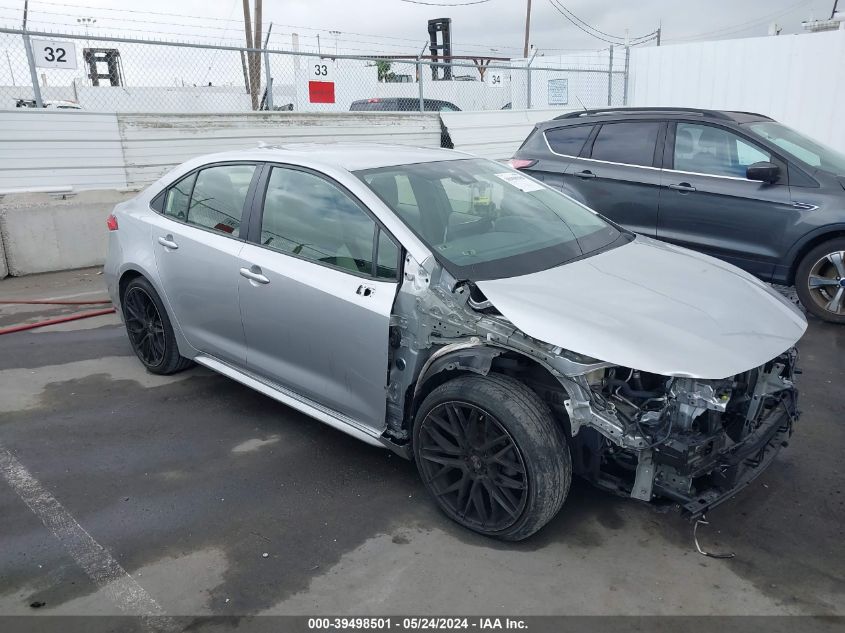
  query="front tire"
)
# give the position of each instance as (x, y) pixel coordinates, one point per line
(490, 453)
(820, 281)
(149, 329)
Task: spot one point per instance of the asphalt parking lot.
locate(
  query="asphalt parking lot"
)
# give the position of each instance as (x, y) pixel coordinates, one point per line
(218, 500)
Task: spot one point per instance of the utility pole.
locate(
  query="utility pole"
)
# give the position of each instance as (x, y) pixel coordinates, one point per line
(254, 58)
(527, 28)
(248, 41)
(268, 78)
(30, 58)
(659, 31)
(255, 78)
(833, 11)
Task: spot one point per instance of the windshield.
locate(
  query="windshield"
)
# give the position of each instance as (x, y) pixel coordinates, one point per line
(799, 146)
(484, 220)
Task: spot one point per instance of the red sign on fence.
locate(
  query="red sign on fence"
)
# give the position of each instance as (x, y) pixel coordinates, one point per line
(321, 91)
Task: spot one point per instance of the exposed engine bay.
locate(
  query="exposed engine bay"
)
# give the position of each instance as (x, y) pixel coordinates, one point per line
(684, 440)
(703, 438)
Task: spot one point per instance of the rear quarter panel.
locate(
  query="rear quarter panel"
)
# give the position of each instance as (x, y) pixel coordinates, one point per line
(131, 250)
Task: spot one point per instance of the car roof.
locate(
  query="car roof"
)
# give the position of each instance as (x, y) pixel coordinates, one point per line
(662, 113)
(348, 156)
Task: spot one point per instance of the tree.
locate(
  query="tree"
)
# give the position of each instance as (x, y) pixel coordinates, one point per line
(384, 72)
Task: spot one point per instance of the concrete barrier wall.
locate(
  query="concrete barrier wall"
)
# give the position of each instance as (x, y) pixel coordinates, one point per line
(41, 233)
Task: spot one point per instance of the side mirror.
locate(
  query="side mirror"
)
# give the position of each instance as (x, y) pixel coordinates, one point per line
(763, 171)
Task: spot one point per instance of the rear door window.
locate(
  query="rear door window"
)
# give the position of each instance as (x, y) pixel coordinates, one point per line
(569, 140)
(179, 197)
(629, 143)
(217, 200)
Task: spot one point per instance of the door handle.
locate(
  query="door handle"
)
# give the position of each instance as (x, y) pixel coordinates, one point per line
(254, 274)
(585, 174)
(682, 187)
(365, 291)
(167, 242)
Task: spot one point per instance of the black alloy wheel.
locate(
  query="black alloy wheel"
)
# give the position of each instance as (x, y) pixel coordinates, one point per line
(492, 455)
(145, 327)
(471, 463)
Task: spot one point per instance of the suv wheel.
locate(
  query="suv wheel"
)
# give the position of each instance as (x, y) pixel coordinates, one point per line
(820, 281)
(149, 329)
(491, 455)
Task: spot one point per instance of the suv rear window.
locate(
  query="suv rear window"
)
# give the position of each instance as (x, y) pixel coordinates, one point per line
(568, 140)
(631, 143)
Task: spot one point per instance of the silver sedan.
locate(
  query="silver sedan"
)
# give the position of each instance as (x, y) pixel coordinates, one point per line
(475, 320)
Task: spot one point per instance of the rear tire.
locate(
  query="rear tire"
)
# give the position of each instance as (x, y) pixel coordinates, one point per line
(490, 453)
(820, 281)
(149, 329)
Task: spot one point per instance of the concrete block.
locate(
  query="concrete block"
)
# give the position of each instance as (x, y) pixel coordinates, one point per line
(41, 233)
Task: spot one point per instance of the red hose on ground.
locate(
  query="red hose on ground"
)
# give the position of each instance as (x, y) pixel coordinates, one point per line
(64, 319)
(48, 302)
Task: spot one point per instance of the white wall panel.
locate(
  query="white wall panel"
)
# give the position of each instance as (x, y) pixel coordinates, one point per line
(798, 80)
(83, 150)
(155, 143)
(51, 148)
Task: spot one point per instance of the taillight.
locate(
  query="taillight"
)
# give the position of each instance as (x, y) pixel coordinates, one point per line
(521, 163)
(111, 222)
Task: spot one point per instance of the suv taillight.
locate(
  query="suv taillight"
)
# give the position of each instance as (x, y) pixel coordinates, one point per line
(521, 163)
(111, 222)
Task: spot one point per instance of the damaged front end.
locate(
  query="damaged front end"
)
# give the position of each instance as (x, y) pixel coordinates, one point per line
(689, 441)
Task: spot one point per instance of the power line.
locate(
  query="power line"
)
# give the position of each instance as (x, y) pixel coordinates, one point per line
(591, 27)
(141, 18)
(32, 17)
(415, 41)
(632, 42)
(68, 30)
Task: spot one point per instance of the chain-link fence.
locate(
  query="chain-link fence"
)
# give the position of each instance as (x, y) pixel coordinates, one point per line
(105, 74)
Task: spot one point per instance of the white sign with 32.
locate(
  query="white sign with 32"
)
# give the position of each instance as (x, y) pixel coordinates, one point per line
(52, 54)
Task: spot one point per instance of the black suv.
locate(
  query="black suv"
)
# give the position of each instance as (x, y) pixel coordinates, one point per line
(735, 185)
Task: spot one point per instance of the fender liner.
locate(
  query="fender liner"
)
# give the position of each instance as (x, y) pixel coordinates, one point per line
(471, 355)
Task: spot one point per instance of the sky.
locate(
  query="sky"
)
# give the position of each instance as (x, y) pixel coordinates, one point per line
(490, 28)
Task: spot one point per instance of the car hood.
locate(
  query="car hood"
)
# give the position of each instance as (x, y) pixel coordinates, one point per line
(655, 307)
